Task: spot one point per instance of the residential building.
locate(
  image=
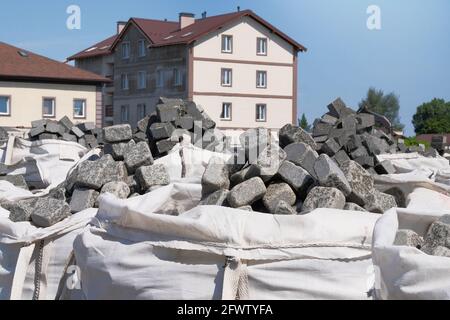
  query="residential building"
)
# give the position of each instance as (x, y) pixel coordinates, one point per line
(99, 59)
(33, 87)
(237, 66)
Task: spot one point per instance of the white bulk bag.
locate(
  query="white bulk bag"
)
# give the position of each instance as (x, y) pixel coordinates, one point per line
(406, 272)
(33, 260)
(214, 252)
(43, 163)
(407, 162)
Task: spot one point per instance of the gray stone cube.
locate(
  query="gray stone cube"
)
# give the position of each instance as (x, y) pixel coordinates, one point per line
(49, 211)
(83, 199)
(137, 156)
(167, 113)
(217, 198)
(302, 155)
(216, 176)
(154, 175)
(324, 197)
(292, 134)
(298, 178)
(277, 192)
(246, 193)
(118, 133)
(330, 175)
(361, 182)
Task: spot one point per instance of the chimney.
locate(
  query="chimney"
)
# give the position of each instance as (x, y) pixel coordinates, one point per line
(203, 14)
(120, 26)
(186, 19)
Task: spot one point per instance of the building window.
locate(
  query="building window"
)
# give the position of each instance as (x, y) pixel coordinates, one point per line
(142, 80)
(124, 113)
(79, 108)
(142, 48)
(226, 111)
(125, 84)
(5, 105)
(261, 112)
(109, 111)
(261, 46)
(261, 79)
(141, 111)
(159, 78)
(125, 50)
(227, 44)
(48, 107)
(227, 77)
(176, 77)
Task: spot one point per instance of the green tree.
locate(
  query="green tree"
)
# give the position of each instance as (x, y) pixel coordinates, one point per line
(303, 123)
(387, 105)
(432, 117)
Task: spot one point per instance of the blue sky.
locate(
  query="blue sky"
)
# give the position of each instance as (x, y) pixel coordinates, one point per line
(410, 55)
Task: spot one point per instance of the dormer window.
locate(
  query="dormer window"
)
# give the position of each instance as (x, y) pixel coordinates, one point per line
(142, 48)
(125, 50)
(227, 44)
(261, 46)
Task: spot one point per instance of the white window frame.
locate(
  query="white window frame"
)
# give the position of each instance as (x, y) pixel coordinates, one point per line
(76, 116)
(261, 79)
(226, 115)
(261, 50)
(126, 53)
(142, 76)
(159, 78)
(124, 81)
(142, 50)
(259, 112)
(226, 77)
(177, 81)
(53, 114)
(141, 113)
(8, 106)
(125, 109)
(227, 43)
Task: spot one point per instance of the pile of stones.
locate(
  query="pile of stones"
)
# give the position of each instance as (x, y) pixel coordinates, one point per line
(86, 134)
(126, 172)
(332, 168)
(344, 134)
(175, 118)
(436, 242)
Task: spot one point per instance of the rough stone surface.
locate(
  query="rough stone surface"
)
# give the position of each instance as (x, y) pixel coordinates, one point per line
(137, 155)
(94, 174)
(246, 208)
(441, 252)
(165, 146)
(83, 199)
(216, 176)
(35, 131)
(118, 188)
(277, 192)
(118, 133)
(338, 109)
(185, 122)
(361, 182)
(302, 155)
(438, 235)
(21, 210)
(133, 184)
(119, 149)
(283, 208)
(160, 131)
(66, 123)
(246, 193)
(17, 180)
(298, 178)
(353, 207)
(323, 197)
(292, 134)
(49, 211)
(330, 147)
(268, 163)
(154, 175)
(76, 131)
(378, 202)
(218, 198)
(69, 137)
(408, 238)
(167, 113)
(330, 175)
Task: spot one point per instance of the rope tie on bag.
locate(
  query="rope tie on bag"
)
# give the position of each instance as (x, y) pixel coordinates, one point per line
(38, 271)
(235, 279)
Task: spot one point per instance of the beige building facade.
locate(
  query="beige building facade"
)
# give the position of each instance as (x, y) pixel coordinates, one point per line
(242, 70)
(28, 101)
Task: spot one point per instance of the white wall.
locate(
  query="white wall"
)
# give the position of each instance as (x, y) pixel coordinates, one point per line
(207, 78)
(26, 101)
(245, 32)
(279, 111)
